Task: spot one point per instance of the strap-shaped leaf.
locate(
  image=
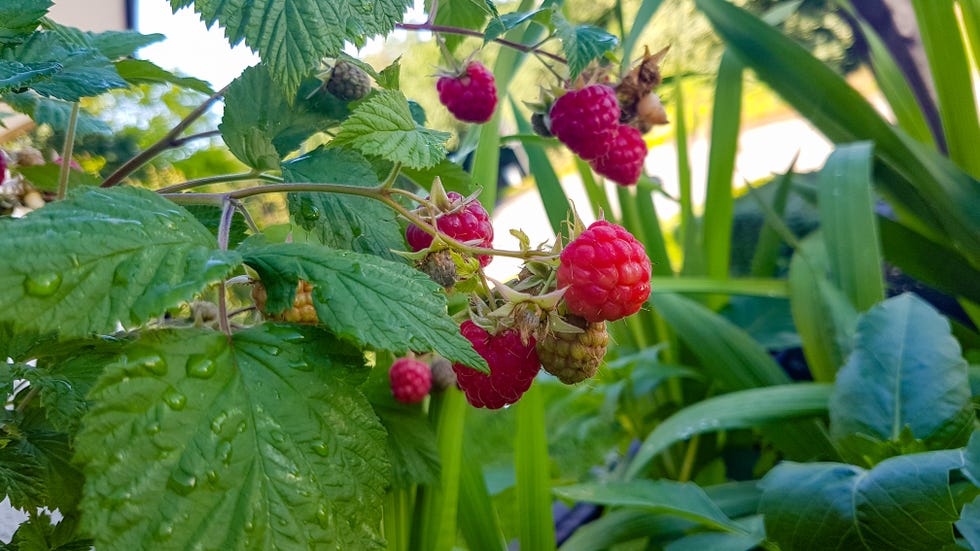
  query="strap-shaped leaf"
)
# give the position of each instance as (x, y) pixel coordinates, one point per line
(292, 36)
(257, 442)
(369, 300)
(103, 257)
(383, 127)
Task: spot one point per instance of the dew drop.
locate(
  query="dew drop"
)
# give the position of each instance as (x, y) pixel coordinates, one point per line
(218, 422)
(182, 483)
(323, 516)
(278, 436)
(213, 476)
(75, 263)
(153, 428)
(42, 285)
(309, 212)
(224, 451)
(287, 334)
(271, 350)
(154, 363)
(200, 366)
(300, 365)
(249, 526)
(321, 448)
(165, 532)
(175, 400)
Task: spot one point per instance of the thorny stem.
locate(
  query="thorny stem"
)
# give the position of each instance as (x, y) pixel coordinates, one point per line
(467, 32)
(67, 152)
(377, 193)
(169, 141)
(228, 208)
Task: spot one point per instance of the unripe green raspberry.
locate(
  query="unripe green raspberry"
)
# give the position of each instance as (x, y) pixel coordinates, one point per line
(348, 82)
(574, 357)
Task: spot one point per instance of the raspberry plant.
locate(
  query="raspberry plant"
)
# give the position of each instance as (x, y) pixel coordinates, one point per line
(180, 376)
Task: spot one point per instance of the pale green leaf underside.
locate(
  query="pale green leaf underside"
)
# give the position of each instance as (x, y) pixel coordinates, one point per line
(258, 443)
(103, 257)
(292, 36)
(15, 75)
(383, 127)
(372, 301)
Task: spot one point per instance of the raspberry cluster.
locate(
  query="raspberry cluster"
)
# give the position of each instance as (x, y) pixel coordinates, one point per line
(587, 121)
(302, 310)
(513, 366)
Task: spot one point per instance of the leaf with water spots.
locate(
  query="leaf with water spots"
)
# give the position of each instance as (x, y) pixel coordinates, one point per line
(103, 257)
(260, 442)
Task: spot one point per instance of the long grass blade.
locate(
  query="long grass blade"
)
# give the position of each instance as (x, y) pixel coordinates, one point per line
(556, 205)
(643, 16)
(766, 254)
(654, 241)
(693, 259)
(850, 230)
(536, 526)
(951, 75)
(477, 517)
(758, 287)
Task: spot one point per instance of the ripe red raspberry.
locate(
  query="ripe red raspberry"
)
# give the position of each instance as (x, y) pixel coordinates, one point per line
(623, 163)
(513, 366)
(585, 119)
(606, 271)
(410, 380)
(469, 222)
(574, 357)
(471, 96)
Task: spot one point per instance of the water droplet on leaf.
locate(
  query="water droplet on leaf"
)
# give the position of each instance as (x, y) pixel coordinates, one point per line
(182, 483)
(219, 422)
(42, 285)
(224, 451)
(300, 365)
(165, 532)
(200, 366)
(321, 448)
(154, 363)
(174, 399)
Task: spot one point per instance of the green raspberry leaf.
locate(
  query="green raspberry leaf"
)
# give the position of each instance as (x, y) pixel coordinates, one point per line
(292, 36)
(15, 75)
(103, 257)
(55, 113)
(257, 442)
(112, 44)
(369, 300)
(510, 21)
(38, 533)
(46, 177)
(260, 125)
(581, 43)
(389, 78)
(85, 71)
(466, 14)
(21, 476)
(19, 18)
(358, 224)
(383, 126)
(140, 71)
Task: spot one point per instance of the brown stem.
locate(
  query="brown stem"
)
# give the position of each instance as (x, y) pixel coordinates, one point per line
(467, 32)
(169, 141)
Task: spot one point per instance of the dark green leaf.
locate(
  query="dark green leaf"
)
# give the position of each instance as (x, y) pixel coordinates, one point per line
(55, 113)
(140, 71)
(372, 301)
(935, 264)
(906, 370)
(39, 534)
(255, 442)
(260, 125)
(581, 43)
(15, 75)
(969, 523)
(62, 480)
(466, 14)
(508, 22)
(19, 18)
(112, 44)
(84, 71)
(383, 126)
(340, 221)
(453, 177)
(744, 409)
(292, 36)
(21, 477)
(45, 177)
(902, 503)
(120, 255)
(717, 542)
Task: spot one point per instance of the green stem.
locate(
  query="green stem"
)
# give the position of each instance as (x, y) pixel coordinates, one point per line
(200, 182)
(377, 193)
(169, 141)
(224, 230)
(689, 456)
(392, 176)
(467, 32)
(68, 151)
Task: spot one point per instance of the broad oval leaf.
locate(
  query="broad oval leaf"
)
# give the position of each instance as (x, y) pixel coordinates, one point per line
(906, 370)
(292, 36)
(383, 127)
(369, 300)
(260, 441)
(744, 409)
(359, 224)
(902, 503)
(104, 257)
